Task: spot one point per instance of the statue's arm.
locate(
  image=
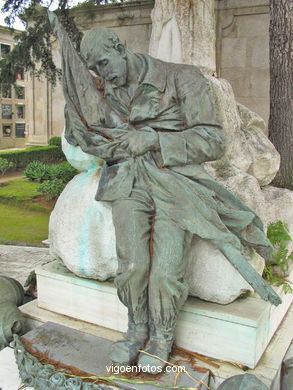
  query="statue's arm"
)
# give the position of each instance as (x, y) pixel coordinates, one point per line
(77, 134)
(203, 139)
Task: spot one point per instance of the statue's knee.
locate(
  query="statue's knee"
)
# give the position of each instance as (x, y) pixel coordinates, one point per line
(159, 278)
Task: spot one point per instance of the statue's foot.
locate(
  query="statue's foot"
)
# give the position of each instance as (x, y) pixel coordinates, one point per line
(155, 355)
(124, 352)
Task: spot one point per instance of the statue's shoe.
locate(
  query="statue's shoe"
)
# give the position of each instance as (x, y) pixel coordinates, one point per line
(124, 352)
(155, 355)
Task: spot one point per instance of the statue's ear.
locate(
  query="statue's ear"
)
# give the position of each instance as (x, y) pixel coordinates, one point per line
(121, 49)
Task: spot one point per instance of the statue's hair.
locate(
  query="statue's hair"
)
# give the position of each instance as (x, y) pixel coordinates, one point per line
(98, 38)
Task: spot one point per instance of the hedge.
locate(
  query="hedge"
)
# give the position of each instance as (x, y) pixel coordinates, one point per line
(45, 154)
(55, 141)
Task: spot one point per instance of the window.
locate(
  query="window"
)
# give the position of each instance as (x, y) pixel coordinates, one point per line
(6, 92)
(19, 130)
(6, 111)
(20, 112)
(5, 49)
(6, 130)
(19, 92)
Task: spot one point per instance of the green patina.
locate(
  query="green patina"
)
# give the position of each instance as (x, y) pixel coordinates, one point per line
(11, 319)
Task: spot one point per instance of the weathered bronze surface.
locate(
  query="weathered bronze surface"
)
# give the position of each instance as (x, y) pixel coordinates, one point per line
(154, 124)
(11, 319)
(243, 382)
(46, 377)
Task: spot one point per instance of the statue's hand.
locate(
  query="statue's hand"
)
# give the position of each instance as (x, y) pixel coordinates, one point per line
(85, 138)
(139, 142)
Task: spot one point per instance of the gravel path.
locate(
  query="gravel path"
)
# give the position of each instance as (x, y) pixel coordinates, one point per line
(18, 261)
(11, 176)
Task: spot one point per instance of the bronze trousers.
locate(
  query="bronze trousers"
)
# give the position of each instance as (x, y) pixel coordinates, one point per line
(151, 285)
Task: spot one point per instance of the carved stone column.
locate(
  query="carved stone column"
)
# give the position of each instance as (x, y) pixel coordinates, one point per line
(184, 32)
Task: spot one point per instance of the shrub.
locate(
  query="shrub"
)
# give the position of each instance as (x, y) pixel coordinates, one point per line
(45, 154)
(56, 141)
(278, 234)
(52, 188)
(37, 171)
(5, 165)
(63, 171)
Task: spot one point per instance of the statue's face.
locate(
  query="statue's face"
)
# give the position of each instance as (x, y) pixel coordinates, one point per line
(110, 64)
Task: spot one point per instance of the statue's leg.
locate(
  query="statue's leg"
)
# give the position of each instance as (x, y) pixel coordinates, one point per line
(132, 219)
(167, 289)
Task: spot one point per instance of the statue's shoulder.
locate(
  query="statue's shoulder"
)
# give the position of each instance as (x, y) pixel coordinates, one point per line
(161, 73)
(184, 71)
(155, 63)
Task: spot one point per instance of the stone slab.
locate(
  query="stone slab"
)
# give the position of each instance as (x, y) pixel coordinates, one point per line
(35, 316)
(268, 369)
(70, 347)
(238, 332)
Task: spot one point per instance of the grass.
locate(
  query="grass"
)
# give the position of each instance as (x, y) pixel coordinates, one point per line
(23, 225)
(24, 214)
(19, 189)
(23, 193)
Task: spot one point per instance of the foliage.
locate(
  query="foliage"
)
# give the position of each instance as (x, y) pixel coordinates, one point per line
(59, 175)
(21, 158)
(52, 188)
(63, 171)
(5, 165)
(36, 170)
(53, 177)
(279, 237)
(32, 51)
(56, 141)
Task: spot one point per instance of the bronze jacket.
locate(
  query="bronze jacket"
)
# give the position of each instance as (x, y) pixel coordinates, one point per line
(174, 100)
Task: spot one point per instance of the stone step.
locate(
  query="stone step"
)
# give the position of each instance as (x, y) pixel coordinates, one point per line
(267, 370)
(237, 332)
(89, 354)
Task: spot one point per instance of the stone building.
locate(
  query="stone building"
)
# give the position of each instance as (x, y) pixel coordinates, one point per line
(12, 105)
(242, 56)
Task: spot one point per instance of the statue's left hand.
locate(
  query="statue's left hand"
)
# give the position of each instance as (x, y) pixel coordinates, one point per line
(139, 142)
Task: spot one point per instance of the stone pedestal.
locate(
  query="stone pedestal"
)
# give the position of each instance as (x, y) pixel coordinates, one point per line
(238, 332)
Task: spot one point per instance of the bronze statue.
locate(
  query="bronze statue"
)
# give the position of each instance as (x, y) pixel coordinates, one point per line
(154, 124)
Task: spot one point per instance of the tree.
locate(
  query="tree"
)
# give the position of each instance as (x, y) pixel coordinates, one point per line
(281, 88)
(32, 51)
